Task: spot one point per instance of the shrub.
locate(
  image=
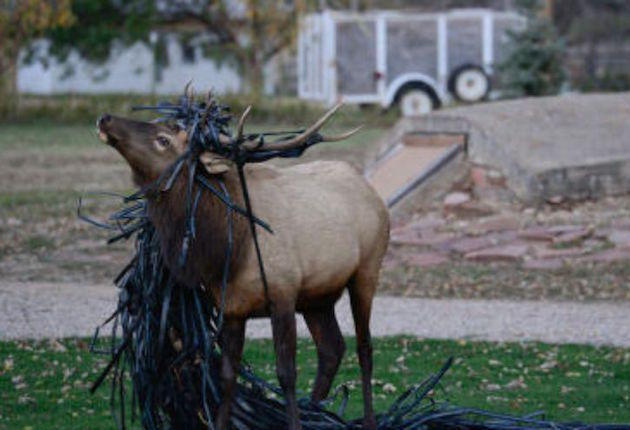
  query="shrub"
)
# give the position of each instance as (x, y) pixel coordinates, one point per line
(535, 64)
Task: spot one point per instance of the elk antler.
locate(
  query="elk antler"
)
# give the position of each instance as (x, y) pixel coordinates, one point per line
(227, 140)
(189, 92)
(342, 136)
(282, 145)
(224, 139)
(241, 123)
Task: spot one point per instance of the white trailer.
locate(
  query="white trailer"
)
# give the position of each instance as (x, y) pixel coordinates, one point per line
(417, 60)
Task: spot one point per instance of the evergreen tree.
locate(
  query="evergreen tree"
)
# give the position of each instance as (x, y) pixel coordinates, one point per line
(534, 66)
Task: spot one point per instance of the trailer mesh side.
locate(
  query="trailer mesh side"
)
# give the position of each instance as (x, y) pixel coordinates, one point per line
(411, 48)
(356, 57)
(465, 42)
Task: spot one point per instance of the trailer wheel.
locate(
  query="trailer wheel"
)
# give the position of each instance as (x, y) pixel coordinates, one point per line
(469, 84)
(415, 102)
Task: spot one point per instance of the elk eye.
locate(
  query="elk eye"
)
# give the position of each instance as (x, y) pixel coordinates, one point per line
(162, 142)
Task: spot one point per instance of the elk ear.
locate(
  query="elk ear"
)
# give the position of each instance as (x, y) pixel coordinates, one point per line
(181, 140)
(215, 164)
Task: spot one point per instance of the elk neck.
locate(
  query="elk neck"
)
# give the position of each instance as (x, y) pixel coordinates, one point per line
(206, 256)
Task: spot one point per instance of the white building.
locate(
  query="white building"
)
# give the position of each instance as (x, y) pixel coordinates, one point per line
(133, 69)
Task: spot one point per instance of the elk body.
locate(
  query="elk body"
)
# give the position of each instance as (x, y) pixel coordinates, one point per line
(330, 234)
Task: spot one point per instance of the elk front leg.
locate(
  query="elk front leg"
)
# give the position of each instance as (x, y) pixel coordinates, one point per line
(232, 338)
(284, 342)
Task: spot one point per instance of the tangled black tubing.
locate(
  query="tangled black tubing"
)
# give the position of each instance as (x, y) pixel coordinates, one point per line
(164, 335)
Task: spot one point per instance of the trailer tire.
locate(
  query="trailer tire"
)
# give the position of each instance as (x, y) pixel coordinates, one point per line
(469, 84)
(416, 100)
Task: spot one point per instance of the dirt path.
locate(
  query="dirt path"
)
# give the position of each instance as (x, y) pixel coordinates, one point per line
(40, 310)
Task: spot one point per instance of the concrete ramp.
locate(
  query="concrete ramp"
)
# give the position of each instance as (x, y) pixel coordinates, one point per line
(571, 146)
(411, 161)
(575, 146)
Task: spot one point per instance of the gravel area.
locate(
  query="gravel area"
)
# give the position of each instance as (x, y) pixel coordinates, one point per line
(47, 310)
(41, 310)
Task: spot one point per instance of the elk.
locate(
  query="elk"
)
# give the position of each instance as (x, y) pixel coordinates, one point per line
(331, 231)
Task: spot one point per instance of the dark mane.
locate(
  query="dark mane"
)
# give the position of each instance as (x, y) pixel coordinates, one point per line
(206, 254)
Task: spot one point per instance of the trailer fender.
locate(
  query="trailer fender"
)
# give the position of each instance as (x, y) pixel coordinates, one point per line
(410, 80)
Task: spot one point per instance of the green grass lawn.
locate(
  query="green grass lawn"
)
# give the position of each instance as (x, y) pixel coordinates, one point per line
(84, 108)
(48, 136)
(51, 137)
(44, 385)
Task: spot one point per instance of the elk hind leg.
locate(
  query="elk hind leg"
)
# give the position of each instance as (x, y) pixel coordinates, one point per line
(328, 339)
(361, 289)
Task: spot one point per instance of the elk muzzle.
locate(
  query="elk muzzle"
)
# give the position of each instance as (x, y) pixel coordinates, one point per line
(103, 127)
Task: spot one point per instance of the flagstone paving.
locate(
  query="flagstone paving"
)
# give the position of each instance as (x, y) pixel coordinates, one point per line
(510, 237)
(561, 250)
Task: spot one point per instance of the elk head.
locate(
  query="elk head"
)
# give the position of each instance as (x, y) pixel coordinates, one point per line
(149, 148)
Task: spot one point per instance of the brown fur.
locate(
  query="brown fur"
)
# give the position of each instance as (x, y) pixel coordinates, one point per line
(206, 255)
